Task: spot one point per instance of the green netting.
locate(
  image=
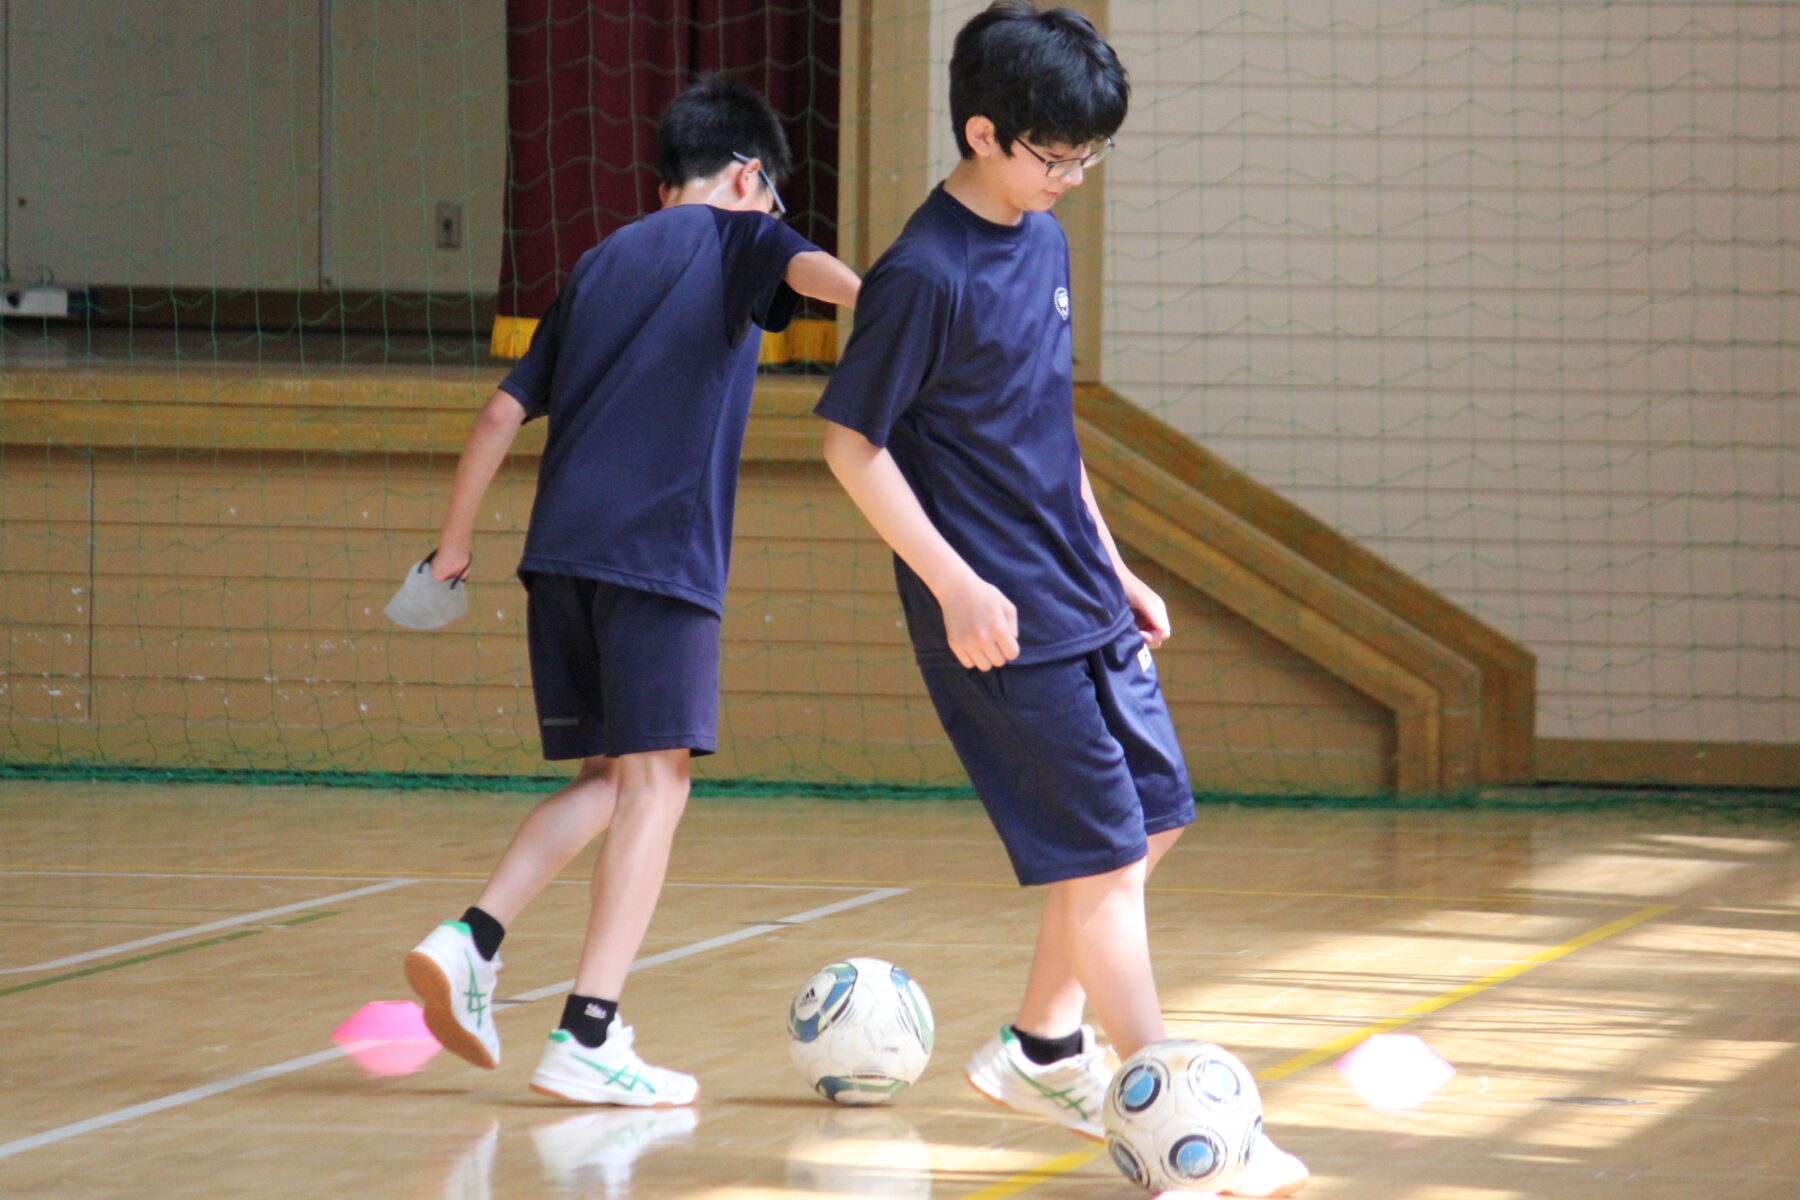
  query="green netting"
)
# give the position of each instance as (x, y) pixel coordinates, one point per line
(1547, 798)
(1506, 293)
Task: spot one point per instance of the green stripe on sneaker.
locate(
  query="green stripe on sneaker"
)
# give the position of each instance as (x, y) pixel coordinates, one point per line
(1063, 1099)
(618, 1078)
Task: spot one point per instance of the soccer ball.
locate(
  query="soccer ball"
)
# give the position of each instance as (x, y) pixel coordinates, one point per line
(1182, 1115)
(860, 1031)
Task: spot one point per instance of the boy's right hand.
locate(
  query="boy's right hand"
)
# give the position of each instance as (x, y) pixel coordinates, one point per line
(450, 562)
(981, 624)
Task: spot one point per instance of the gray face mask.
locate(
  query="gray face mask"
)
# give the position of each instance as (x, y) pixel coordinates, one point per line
(425, 603)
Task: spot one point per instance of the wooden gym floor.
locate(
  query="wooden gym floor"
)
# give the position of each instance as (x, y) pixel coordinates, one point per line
(1616, 989)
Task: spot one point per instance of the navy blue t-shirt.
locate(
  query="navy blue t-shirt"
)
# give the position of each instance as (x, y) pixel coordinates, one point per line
(645, 366)
(960, 364)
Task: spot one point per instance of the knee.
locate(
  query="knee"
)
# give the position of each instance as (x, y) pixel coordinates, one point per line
(664, 798)
(1088, 892)
(598, 769)
(591, 793)
(655, 787)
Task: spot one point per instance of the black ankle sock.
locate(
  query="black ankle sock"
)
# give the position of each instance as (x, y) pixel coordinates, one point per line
(486, 931)
(588, 1018)
(1043, 1050)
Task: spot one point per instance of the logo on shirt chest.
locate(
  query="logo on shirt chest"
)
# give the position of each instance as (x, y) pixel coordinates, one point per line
(1062, 302)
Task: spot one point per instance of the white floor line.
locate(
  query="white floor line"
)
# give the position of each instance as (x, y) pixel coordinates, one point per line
(769, 887)
(724, 939)
(176, 1100)
(118, 1116)
(194, 930)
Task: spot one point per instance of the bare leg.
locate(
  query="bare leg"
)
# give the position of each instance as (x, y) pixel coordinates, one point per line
(1054, 999)
(550, 836)
(628, 876)
(1101, 918)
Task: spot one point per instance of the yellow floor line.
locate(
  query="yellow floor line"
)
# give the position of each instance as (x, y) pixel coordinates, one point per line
(1339, 1045)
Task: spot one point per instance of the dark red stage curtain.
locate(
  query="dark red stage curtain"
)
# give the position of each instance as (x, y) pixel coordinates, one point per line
(587, 80)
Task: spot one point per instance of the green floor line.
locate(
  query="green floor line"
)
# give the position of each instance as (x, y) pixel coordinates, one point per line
(307, 918)
(156, 954)
(1520, 798)
(408, 781)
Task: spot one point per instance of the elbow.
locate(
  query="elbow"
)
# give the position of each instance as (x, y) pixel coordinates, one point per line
(501, 414)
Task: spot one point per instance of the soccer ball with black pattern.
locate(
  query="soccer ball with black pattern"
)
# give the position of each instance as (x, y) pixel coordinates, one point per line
(1181, 1116)
(860, 1031)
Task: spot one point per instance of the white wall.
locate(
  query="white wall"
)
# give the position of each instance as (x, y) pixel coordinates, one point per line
(420, 89)
(1511, 294)
(163, 144)
(180, 143)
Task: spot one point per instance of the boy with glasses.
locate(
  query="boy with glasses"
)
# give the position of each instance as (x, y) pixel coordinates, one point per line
(952, 428)
(644, 366)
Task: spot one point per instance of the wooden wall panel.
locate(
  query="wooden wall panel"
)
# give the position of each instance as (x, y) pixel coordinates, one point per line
(46, 598)
(1253, 714)
(233, 618)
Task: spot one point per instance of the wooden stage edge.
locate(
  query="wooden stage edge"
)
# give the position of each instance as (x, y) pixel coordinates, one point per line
(1737, 765)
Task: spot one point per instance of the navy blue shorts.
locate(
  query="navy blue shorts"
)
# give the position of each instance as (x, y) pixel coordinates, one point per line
(1075, 760)
(620, 671)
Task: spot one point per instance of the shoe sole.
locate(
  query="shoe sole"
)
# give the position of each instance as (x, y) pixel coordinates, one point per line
(993, 1099)
(433, 989)
(543, 1090)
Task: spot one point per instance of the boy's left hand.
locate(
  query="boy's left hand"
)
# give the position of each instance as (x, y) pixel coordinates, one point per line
(1148, 607)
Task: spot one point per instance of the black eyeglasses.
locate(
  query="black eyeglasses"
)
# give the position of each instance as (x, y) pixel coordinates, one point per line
(1061, 168)
(780, 208)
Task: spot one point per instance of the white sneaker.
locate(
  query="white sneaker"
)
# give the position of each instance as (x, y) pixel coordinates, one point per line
(594, 1151)
(456, 987)
(1270, 1172)
(1071, 1091)
(610, 1073)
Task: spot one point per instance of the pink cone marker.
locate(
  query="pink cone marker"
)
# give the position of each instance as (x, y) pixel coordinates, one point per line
(387, 1037)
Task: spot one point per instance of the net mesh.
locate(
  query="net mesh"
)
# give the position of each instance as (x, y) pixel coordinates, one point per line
(1503, 293)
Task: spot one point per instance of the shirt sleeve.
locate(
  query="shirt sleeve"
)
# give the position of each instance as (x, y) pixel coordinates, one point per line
(756, 251)
(529, 380)
(902, 326)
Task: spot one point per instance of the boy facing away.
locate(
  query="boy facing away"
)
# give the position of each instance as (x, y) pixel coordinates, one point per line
(952, 428)
(644, 366)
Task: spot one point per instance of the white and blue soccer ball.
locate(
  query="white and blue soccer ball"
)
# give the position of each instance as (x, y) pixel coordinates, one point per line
(860, 1031)
(1182, 1116)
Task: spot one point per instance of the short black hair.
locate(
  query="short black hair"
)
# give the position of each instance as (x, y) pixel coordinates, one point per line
(708, 123)
(1047, 74)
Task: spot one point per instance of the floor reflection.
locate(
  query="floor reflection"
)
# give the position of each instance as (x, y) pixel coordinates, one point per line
(593, 1153)
(471, 1173)
(861, 1152)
